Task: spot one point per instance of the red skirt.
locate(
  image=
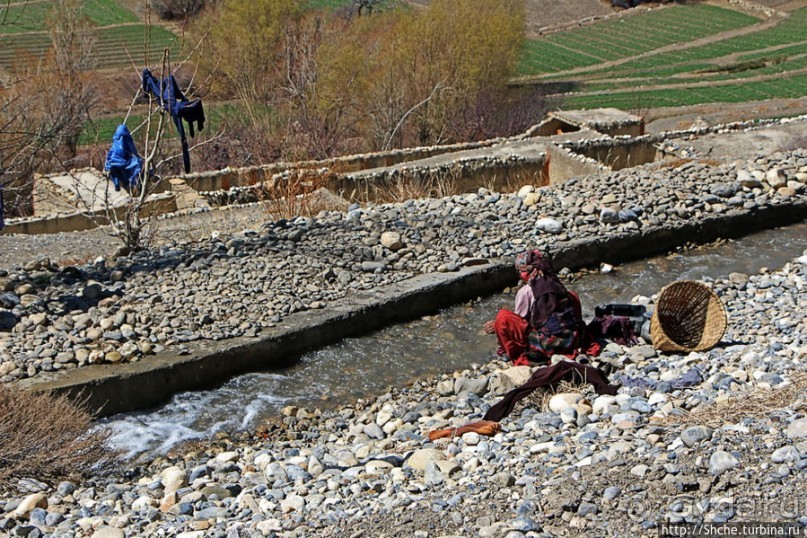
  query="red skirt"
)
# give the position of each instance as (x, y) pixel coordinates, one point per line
(523, 345)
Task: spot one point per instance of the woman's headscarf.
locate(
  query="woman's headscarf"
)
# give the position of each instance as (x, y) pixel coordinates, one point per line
(531, 261)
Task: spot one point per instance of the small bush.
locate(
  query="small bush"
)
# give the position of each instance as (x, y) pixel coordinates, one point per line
(298, 193)
(48, 438)
(170, 10)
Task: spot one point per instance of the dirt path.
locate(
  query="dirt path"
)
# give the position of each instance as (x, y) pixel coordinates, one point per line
(676, 118)
(687, 85)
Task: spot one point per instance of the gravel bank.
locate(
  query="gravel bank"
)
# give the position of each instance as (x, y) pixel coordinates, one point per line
(131, 307)
(732, 447)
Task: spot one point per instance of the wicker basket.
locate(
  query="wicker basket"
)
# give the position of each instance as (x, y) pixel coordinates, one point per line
(688, 317)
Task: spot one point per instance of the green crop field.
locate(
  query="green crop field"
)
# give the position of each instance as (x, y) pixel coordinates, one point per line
(328, 4)
(789, 87)
(770, 62)
(120, 36)
(114, 46)
(615, 39)
(31, 16)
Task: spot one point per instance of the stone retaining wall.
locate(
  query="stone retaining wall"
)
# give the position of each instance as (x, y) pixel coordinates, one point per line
(617, 153)
(77, 221)
(465, 175)
(112, 389)
(240, 177)
(565, 164)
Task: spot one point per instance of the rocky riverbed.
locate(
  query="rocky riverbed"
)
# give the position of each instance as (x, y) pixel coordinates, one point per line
(730, 447)
(125, 309)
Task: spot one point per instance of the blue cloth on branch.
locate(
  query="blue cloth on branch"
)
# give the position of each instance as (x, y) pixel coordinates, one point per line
(173, 101)
(122, 161)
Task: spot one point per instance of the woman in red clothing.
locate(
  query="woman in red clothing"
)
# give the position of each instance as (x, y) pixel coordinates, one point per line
(547, 317)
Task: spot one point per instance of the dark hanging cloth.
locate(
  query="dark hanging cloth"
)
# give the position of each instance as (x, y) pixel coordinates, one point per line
(2, 209)
(178, 107)
(123, 163)
(551, 376)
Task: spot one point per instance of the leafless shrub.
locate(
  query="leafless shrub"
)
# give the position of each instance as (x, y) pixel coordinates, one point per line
(170, 10)
(435, 184)
(296, 194)
(48, 437)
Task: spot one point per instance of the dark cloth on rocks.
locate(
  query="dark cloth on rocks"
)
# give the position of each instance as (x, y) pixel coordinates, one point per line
(618, 329)
(548, 377)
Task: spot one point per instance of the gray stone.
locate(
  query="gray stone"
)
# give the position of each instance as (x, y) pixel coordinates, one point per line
(548, 225)
(785, 454)
(609, 216)
(797, 429)
(722, 461)
(432, 474)
(7, 321)
(92, 290)
(694, 434)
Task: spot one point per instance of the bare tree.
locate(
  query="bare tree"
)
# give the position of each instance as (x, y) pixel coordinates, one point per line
(45, 106)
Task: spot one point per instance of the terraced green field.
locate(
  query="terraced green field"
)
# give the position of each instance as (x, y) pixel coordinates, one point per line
(787, 87)
(121, 38)
(615, 39)
(31, 16)
(767, 63)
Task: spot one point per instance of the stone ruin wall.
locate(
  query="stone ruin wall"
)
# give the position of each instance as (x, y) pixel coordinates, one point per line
(252, 175)
(463, 175)
(617, 153)
(565, 164)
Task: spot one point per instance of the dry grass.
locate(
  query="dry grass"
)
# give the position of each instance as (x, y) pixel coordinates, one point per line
(539, 399)
(758, 403)
(48, 438)
(437, 184)
(293, 195)
(678, 162)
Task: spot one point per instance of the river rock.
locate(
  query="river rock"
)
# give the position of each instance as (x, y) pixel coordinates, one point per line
(722, 461)
(35, 500)
(797, 429)
(694, 434)
(7, 321)
(92, 290)
(420, 458)
(548, 225)
(609, 216)
(108, 532)
(785, 454)
(392, 240)
(775, 177)
(531, 199)
(472, 385)
(564, 400)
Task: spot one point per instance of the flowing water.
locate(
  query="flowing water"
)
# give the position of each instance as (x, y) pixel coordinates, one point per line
(447, 341)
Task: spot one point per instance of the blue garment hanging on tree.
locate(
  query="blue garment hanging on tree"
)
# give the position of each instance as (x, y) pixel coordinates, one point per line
(177, 105)
(122, 161)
